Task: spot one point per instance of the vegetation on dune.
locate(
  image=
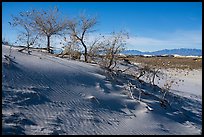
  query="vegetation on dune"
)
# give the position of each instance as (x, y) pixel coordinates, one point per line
(103, 50)
(168, 62)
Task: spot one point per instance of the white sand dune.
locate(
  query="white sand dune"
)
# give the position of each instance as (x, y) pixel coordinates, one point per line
(189, 82)
(43, 94)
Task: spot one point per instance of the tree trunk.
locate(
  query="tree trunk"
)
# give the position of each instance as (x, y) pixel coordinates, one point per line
(28, 44)
(154, 75)
(153, 79)
(114, 65)
(141, 74)
(48, 44)
(85, 54)
(85, 51)
(111, 61)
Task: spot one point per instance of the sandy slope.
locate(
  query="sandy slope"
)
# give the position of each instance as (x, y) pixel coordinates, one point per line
(189, 82)
(43, 94)
(192, 81)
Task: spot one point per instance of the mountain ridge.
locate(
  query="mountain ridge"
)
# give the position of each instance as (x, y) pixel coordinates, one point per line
(181, 51)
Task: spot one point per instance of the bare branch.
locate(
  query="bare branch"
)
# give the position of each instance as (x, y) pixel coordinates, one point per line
(79, 27)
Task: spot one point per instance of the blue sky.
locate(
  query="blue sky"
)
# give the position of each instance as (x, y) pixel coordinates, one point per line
(151, 25)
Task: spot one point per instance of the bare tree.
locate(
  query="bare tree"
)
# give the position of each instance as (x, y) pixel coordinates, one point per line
(79, 28)
(27, 35)
(113, 46)
(155, 73)
(165, 89)
(142, 71)
(47, 23)
(28, 38)
(149, 73)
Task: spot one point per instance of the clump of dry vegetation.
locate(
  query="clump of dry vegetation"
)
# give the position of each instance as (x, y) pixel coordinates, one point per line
(168, 62)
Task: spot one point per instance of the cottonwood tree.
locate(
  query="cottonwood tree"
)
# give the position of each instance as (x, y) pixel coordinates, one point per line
(149, 73)
(165, 89)
(113, 45)
(79, 28)
(27, 34)
(47, 23)
(156, 72)
(142, 71)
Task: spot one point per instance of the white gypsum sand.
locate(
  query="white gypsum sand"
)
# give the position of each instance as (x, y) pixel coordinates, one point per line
(189, 82)
(43, 94)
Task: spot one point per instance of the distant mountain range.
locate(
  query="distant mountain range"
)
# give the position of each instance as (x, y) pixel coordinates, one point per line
(182, 52)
